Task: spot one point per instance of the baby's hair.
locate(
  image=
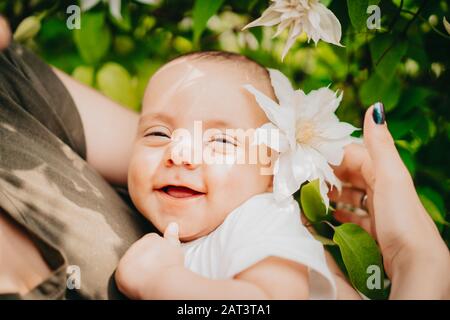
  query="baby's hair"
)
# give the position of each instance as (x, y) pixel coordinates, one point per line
(256, 69)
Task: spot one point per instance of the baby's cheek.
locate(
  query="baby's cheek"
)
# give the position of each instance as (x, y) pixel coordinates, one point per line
(233, 184)
(143, 166)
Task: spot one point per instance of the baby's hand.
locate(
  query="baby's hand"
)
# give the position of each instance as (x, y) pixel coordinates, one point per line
(142, 265)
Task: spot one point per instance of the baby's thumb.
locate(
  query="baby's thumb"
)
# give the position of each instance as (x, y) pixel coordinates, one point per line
(380, 144)
(171, 233)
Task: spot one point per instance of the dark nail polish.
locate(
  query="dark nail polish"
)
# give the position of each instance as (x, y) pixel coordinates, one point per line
(378, 113)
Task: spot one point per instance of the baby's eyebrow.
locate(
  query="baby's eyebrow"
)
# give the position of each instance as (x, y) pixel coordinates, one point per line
(154, 117)
(218, 123)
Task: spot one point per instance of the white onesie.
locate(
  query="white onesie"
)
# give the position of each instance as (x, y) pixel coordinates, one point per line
(257, 229)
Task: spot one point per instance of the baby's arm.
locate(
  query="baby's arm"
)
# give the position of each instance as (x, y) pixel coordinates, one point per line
(153, 268)
(271, 278)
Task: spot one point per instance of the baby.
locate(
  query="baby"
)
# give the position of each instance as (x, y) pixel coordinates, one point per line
(225, 236)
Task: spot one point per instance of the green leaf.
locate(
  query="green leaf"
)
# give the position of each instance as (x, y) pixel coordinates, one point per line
(312, 203)
(408, 160)
(27, 29)
(114, 81)
(387, 52)
(93, 39)
(376, 89)
(435, 207)
(325, 241)
(123, 45)
(402, 127)
(360, 253)
(182, 44)
(145, 69)
(357, 11)
(84, 74)
(413, 97)
(425, 130)
(203, 11)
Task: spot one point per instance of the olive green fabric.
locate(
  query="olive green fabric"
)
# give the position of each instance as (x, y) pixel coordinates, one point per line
(74, 216)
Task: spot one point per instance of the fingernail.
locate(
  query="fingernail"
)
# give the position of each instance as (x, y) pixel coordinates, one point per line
(378, 113)
(173, 228)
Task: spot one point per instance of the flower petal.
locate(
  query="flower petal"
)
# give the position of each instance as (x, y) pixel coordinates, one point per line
(114, 8)
(268, 18)
(282, 87)
(337, 130)
(330, 27)
(323, 187)
(86, 5)
(293, 34)
(271, 136)
(332, 150)
(284, 183)
(281, 27)
(302, 166)
(281, 117)
(320, 103)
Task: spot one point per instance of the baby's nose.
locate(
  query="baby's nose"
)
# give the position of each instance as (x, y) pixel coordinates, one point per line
(183, 153)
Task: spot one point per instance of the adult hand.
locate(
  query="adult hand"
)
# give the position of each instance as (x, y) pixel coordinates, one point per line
(5, 33)
(415, 257)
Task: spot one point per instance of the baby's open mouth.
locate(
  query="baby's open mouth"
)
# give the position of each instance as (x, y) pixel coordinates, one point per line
(180, 191)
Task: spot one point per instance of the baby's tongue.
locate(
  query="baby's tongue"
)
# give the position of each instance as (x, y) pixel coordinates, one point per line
(180, 192)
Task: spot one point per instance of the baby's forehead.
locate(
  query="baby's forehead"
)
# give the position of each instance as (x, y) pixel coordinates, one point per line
(206, 89)
(231, 74)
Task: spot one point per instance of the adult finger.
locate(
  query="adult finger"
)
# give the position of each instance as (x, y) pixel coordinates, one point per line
(5, 33)
(380, 145)
(356, 167)
(171, 233)
(352, 196)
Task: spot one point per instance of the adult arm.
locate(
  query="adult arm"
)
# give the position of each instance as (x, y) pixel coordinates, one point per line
(415, 256)
(108, 127)
(5, 33)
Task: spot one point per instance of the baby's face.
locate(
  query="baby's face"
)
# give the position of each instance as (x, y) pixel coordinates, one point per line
(190, 106)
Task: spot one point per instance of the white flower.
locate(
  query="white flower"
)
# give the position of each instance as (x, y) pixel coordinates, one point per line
(311, 137)
(309, 16)
(114, 5)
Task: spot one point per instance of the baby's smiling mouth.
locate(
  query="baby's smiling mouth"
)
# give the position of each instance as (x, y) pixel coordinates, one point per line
(180, 192)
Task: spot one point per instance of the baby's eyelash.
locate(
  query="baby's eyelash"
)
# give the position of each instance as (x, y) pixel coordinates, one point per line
(223, 139)
(157, 134)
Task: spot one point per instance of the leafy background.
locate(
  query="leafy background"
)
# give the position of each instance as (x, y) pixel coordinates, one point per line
(405, 64)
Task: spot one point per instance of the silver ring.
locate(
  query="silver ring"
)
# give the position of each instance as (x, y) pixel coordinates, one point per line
(363, 202)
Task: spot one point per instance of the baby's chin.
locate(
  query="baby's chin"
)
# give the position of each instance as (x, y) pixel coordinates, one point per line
(186, 230)
(189, 233)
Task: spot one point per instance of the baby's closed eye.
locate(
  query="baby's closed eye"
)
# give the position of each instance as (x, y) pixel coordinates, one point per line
(158, 131)
(224, 139)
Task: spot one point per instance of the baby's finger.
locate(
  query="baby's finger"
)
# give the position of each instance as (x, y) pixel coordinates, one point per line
(171, 233)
